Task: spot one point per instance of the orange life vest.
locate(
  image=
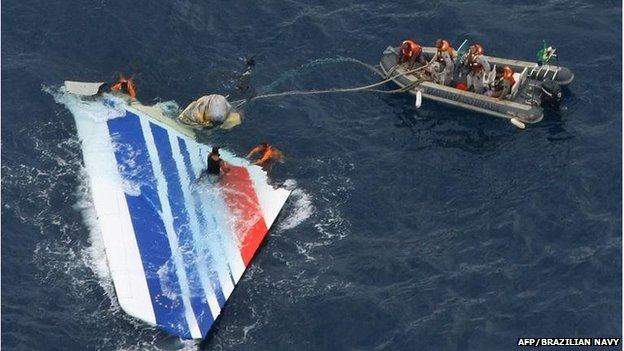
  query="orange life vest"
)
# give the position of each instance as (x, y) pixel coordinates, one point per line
(476, 50)
(410, 48)
(473, 64)
(508, 76)
(445, 47)
(125, 84)
(270, 152)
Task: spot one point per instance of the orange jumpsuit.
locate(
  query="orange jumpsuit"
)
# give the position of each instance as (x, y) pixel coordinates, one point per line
(127, 84)
(267, 154)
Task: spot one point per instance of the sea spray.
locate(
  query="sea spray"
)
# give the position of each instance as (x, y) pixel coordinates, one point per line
(300, 207)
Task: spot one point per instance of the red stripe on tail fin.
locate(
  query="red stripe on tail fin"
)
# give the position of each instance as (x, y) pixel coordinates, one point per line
(242, 201)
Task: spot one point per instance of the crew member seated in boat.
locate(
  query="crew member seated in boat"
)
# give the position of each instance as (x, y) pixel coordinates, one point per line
(411, 52)
(216, 166)
(268, 156)
(478, 67)
(504, 84)
(445, 57)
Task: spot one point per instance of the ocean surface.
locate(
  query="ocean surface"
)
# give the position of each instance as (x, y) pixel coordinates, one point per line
(429, 229)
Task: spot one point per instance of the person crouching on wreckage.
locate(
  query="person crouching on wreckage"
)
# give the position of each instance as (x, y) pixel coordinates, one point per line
(215, 164)
(210, 111)
(125, 86)
(215, 167)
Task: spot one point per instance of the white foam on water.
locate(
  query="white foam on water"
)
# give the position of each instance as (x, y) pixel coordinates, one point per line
(248, 328)
(94, 255)
(129, 169)
(334, 193)
(99, 110)
(156, 344)
(300, 208)
(60, 251)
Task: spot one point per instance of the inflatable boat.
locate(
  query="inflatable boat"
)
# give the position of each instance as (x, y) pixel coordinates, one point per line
(176, 243)
(534, 84)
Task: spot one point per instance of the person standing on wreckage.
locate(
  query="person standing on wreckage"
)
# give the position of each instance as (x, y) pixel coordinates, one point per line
(444, 61)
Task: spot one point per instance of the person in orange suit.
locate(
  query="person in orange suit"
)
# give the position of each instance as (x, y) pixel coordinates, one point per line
(411, 52)
(125, 85)
(268, 155)
(445, 57)
(505, 84)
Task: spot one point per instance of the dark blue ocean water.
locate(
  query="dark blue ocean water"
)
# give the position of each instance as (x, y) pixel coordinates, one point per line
(435, 229)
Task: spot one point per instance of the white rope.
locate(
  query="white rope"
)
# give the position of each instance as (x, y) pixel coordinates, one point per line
(340, 90)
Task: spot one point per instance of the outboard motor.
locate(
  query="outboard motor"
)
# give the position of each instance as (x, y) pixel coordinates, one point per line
(550, 95)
